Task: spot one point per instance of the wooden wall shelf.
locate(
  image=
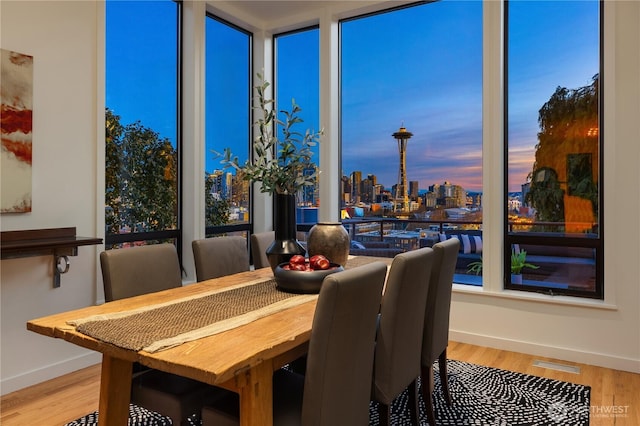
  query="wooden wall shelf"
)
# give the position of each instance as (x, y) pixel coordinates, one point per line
(58, 242)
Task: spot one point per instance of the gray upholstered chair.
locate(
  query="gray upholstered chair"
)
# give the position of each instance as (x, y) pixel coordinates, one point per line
(134, 271)
(139, 270)
(220, 256)
(399, 337)
(436, 321)
(260, 242)
(336, 388)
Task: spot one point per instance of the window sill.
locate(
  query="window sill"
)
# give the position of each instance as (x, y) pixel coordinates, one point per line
(534, 297)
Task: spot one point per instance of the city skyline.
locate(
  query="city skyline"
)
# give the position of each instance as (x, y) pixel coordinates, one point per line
(420, 66)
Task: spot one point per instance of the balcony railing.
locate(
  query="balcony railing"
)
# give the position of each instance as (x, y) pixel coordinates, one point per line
(566, 262)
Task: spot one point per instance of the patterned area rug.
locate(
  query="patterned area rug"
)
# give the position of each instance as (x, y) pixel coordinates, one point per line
(482, 396)
(138, 416)
(485, 396)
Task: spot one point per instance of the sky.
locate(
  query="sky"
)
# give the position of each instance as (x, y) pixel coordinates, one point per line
(420, 67)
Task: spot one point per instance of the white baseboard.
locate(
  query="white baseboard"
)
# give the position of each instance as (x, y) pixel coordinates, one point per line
(566, 354)
(33, 377)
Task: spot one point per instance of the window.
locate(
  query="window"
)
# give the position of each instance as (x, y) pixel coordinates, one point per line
(142, 62)
(228, 125)
(297, 79)
(411, 128)
(554, 147)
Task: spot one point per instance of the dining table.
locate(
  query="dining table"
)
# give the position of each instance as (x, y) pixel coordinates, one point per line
(239, 353)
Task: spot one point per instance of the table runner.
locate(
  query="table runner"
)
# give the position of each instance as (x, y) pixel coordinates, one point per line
(162, 326)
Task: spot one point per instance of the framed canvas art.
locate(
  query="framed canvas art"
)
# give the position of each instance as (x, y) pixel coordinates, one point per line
(16, 108)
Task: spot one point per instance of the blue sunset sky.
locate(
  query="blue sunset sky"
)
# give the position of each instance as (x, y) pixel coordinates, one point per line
(421, 66)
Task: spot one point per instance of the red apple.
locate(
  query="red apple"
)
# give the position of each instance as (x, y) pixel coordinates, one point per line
(323, 263)
(313, 261)
(298, 267)
(297, 259)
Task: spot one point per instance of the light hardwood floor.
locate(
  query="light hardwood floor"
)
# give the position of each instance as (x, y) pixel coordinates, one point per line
(615, 395)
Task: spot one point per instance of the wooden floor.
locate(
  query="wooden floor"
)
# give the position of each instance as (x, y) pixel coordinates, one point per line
(615, 395)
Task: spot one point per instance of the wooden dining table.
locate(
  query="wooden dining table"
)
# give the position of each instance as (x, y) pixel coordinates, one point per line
(241, 359)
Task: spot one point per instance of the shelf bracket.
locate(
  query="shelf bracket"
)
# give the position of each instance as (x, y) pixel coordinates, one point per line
(61, 266)
(58, 242)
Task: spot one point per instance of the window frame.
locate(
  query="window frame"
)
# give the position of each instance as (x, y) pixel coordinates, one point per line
(301, 227)
(167, 234)
(244, 228)
(511, 238)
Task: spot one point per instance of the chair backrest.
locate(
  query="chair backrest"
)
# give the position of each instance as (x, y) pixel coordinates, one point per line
(220, 256)
(337, 386)
(436, 318)
(399, 339)
(134, 271)
(260, 242)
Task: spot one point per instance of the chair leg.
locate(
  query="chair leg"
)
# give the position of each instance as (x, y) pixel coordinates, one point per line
(442, 364)
(384, 411)
(414, 408)
(427, 385)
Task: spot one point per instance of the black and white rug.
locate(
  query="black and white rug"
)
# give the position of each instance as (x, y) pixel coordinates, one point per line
(482, 396)
(485, 396)
(138, 416)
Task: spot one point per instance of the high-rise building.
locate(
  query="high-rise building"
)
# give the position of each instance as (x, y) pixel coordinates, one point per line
(356, 179)
(345, 190)
(368, 189)
(414, 187)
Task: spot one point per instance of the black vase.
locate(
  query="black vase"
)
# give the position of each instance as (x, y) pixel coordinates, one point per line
(285, 244)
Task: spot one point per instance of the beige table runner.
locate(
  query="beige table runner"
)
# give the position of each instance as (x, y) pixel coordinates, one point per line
(162, 326)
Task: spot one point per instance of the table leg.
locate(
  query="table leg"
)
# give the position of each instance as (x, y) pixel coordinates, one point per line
(256, 395)
(115, 391)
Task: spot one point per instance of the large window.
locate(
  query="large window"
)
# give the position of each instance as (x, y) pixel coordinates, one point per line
(297, 79)
(228, 115)
(411, 129)
(553, 170)
(142, 169)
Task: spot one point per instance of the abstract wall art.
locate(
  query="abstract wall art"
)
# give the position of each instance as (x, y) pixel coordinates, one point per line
(16, 111)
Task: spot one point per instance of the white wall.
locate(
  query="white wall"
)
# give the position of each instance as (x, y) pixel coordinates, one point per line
(61, 37)
(67, 42)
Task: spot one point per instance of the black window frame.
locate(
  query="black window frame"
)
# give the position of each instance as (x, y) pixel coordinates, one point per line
(512, 238)
(174, 235)
(245, 228)
(300, 227)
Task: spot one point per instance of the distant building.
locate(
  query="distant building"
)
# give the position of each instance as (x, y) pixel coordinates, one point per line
(449, 195)
(345, 190)
(414, 187)
(356, 178)
(368, 189)
(430, 200)
(401, 193)
(525, 188)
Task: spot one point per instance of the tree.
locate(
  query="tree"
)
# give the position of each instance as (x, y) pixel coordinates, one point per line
(567, 152)
(113, 161)
(141, 178)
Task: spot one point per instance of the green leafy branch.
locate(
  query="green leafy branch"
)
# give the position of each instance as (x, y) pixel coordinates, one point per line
(279, 165)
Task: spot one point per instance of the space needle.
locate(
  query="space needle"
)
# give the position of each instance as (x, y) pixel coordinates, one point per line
(401, 198)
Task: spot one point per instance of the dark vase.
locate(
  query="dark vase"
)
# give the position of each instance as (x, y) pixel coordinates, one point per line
(285, 244)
